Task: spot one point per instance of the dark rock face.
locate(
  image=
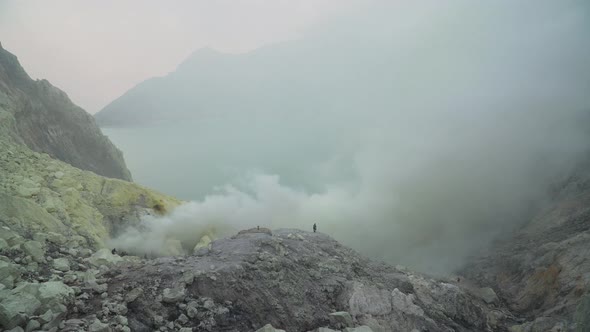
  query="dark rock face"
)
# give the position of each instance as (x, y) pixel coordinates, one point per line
(47, 121)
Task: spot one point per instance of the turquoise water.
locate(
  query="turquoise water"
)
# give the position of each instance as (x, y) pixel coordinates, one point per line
(191, 160)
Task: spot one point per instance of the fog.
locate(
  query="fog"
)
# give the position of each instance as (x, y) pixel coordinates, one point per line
(414, 133)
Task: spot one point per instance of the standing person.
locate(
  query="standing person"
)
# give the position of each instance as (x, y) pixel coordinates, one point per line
(314, 227)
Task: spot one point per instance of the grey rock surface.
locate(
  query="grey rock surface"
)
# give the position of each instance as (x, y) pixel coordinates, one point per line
(15, 308)
(98, 326)
(582, 315)
(35, 250)
(173, 295)
(341, 318)
(542, 272)
(61, 264)
(269, 328)
(255, 278)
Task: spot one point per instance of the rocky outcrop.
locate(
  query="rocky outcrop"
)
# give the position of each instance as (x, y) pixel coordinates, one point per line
(40, 292)
(288, 280)
(52, 217)
(41, 116)
(543, 271)
(39, 194)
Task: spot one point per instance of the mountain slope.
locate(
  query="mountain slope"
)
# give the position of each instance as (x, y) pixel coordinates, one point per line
(52, 214)
(542, 272)
(41, 194)
(48, 210)
(41, 116)
(209, 82)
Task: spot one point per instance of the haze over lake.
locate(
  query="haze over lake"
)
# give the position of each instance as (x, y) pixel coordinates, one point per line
(191, 159)
(430, 130)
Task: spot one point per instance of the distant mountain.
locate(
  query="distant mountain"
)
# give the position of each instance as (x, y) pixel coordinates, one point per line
(35, 113)
(377, 63)
(325, 72)
(274, 78)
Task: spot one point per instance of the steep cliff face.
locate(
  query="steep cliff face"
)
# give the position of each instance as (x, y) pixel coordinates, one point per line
(41, 116)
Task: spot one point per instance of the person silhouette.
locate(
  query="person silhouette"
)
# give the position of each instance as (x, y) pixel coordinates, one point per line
(314, 227)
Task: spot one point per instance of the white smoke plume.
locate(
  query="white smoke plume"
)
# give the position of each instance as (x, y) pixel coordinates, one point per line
(483, 109)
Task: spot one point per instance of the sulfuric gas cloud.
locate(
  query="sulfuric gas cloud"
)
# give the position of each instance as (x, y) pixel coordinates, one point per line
(415, 133)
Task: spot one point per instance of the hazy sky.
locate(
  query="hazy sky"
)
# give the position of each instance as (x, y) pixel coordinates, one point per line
(97, 50)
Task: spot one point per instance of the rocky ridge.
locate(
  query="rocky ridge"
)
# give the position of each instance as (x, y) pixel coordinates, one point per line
(253, 281)
(35, 113)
